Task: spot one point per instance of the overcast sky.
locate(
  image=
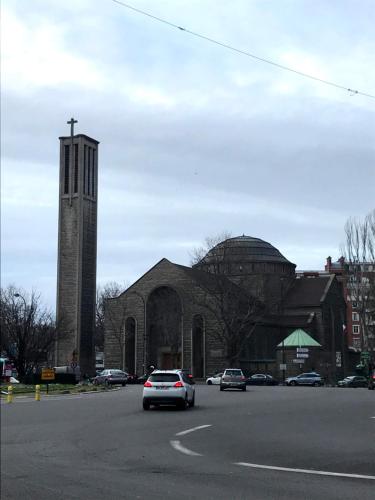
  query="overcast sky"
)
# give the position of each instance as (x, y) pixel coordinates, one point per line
(194, 139)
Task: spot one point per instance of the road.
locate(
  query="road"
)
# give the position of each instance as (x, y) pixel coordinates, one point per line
(104, 446)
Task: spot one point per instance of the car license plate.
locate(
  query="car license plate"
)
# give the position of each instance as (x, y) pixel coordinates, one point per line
(161, 387)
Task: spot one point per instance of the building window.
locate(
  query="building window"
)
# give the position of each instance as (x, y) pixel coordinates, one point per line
(76, 168)
(354, 304)
(84, 168)
(88, 171)
(355, 316)
(92, 176)
(355, 329)
(66, 169)
(356, 343)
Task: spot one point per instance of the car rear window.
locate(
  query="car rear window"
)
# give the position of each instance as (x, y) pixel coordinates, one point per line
(164, 377)
(233, 373)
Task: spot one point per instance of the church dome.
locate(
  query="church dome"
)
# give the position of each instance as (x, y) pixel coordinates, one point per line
(244, 249)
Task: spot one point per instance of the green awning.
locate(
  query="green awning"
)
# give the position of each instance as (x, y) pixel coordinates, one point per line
(299, 338)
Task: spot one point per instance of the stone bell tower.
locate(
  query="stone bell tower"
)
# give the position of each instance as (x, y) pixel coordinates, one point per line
(77, 240)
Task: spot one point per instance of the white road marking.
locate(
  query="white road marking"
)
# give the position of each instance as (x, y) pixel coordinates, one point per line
(305, 471)
(178, 446)
(182, 433)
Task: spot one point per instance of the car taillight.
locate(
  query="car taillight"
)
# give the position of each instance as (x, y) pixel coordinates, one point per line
(243, 378)
(147, 384)
(178, 384)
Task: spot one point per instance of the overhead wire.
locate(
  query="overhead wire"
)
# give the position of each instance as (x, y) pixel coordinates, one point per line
(243, 52)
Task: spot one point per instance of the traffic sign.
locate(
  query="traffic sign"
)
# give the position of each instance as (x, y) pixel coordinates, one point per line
(282, 366)
(300, 361)
(302, 349)
(48, 374)
(302, 355)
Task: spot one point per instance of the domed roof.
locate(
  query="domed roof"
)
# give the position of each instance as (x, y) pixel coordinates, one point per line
(245, 249)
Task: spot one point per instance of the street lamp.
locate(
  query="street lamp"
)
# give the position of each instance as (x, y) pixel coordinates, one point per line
(18, 295)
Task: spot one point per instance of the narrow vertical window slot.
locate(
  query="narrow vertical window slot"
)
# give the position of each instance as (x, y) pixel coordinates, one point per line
(93, 174)
(88, 171)
(66, 169)
(84, 168)
(76, 168)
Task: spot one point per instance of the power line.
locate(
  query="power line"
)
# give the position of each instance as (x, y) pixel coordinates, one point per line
(243, 52)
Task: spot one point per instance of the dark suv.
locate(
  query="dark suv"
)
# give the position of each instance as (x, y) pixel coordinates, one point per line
(305, 379)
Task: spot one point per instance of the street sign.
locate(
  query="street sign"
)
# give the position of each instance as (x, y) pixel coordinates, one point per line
(48, 374)
(300, 361)
(302, 355)
(282, 366)
(302, 349)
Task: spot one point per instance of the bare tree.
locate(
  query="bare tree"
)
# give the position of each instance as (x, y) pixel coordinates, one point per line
(198, 253)
(236, 311)
(28, 330)
(107, 291)
(359, 253)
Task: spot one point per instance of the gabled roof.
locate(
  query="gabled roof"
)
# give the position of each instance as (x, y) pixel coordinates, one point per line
(299, 338)
(308, 291)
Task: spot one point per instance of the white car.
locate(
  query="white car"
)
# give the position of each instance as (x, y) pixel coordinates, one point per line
(168, 387)
(215, 379)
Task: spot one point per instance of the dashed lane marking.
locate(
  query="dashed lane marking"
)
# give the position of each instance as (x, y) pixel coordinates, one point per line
(182, 433)
(305, 471)
(178, 446)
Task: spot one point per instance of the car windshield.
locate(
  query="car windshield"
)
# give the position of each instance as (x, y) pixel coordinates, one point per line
(164, 377)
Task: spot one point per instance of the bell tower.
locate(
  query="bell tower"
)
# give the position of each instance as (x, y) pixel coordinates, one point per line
(77, 241)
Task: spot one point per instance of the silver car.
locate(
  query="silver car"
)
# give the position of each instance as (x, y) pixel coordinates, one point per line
(168, 387)
(233, 378)
(111, 377)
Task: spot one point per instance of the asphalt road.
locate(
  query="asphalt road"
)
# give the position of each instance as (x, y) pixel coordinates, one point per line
(104, 446)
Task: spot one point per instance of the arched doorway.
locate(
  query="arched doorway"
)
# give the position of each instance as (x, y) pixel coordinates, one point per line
(130, 345)
(198, 346)
(164, 332)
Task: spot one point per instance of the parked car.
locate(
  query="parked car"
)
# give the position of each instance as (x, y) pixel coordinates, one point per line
(215, 379)
(233, 378)
(261, 379)
(305, 379)
(188, 373)
(353, 381)
(371, 380)
(111, 377)
(168, 387)
(13, 380)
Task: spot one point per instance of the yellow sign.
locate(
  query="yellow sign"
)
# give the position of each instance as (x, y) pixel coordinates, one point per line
(48, 374)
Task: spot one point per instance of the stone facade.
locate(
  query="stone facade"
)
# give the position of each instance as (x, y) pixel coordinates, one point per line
(166, 319)
(77, 249)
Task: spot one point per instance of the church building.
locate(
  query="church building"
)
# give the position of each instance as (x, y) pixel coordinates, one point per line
(176, 316)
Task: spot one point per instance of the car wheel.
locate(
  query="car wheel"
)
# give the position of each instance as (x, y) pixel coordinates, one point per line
(183, 404)
(209, 382)
(146, 405)
(123, 384)
(192, 402)
(244, 389)
(221, 388)
(292, 383)
(107, 383)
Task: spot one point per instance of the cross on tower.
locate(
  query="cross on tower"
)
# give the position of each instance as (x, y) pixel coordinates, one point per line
(71, 122)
